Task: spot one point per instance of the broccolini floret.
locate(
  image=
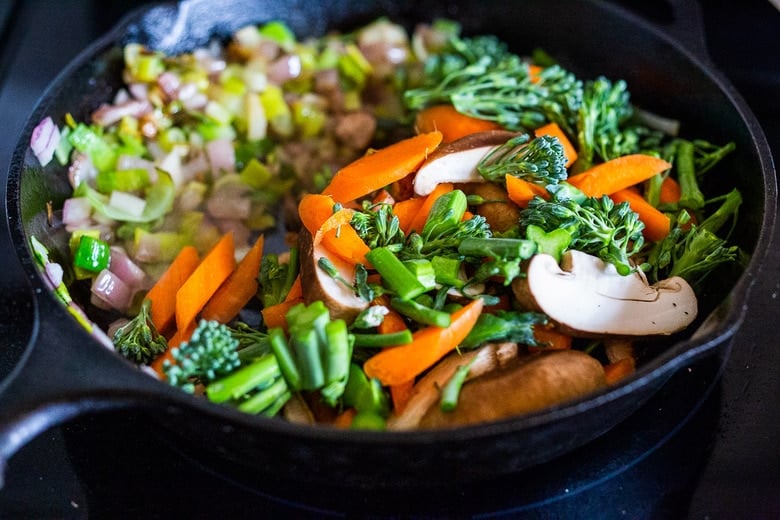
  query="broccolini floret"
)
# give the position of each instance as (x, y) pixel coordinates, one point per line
(138, 340)
(597, 226)
(210, 353)
(540, 160)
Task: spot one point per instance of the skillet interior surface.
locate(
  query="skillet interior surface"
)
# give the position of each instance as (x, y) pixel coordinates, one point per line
(653, 67)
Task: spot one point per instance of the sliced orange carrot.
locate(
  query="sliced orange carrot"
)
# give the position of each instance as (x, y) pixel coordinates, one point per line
(550, 338)
(451, 123)
(240, 287)
(670, 191)
(212, 271)
(400, 395)
(334, 230)
(383, 197)
(657, 223)
(382, 167)
(617, 174)
(418, 222)
(405, 210)
(400, 364)
(276, 315)
(552, 129)
(344, 419)
(534, 71)
(163, 292)
(296, 291)
(177, 339)
(520, 191)
(616, 371)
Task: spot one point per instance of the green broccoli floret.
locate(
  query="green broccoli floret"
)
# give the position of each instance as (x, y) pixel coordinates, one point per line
(540, 160)
(210, 353)
(138, 340)
(597, 226)
(504, 326)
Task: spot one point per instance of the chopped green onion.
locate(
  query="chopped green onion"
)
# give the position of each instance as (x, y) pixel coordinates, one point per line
(395, 275)
(421, 313)
(245, 379)
(389, 339)
(451, 390)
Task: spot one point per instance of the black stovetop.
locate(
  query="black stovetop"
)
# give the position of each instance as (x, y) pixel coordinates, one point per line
(706, 446)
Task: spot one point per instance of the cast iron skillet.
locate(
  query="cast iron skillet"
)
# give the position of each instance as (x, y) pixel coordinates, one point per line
(65, 372)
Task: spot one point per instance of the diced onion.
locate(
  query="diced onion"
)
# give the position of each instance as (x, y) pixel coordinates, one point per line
(110, 289)
(44, 140)
(221, 156)
(76, 212)
(127, 202)
(127, 270)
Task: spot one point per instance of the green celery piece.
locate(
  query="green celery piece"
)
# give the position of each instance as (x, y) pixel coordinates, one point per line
(123, 180)
(255, 174)
(306, 346)
(337, 355)
(159, 200)
(280, 33)
(394, 274)
(88, 141)
(284, 357)
(451, 390)
(503, 248)
(364, 394)
(422, 269)
(368, 421)
(446, 213)
(447, 271)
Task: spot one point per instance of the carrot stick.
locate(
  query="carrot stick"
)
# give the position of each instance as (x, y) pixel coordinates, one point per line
(550, 338)
(400, 394)
(344, 419)
(177, 339)
(418, 223)
(296, 290)
(240, 287)
(381, 168)
(405, 210)
(451, 123)
(163, 292)
(394, 322)
(400, 364)
(670, 191)
(520, 191)
(334, 230)
(617, 174)
(614, 372)
(657, 223)
(276, 315)
(212, 271)
(552, 129)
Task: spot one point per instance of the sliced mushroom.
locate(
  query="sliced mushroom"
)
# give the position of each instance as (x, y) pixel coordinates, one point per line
(426, 391)
(526, 385)
(457, 161)
(588, 297)
(501, 213)
(341, 301)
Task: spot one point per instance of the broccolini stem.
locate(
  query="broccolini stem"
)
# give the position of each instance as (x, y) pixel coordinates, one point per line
(389, 339)
(307, 351)
(261, 400)
(451, 391)
(421, 313)
(691, 196)
(515, 248)
(242, 381)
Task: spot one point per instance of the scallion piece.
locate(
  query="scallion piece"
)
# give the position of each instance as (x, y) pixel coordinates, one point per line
(389, 339)
(394, 274)
(421, 313)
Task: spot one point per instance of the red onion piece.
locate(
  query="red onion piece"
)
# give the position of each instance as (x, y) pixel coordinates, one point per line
(221, 155)
(44, 140)
(76, 212)
(285, 68)
(127, 270)
(107, 115)
(110, 289)
(54, 273)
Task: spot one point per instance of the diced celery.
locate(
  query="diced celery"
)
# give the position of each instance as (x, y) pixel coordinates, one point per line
(124, 180)
(86, 140)
(279, 33)
(423, 270)
(159, 200)
(218, 113)
(277, 111)
(256, 121)
(354, 66)
(255, 174)
(308, 118)
(147, 67)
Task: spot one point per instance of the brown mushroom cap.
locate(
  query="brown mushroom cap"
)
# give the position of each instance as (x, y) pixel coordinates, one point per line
(525, 385)
(457, 161)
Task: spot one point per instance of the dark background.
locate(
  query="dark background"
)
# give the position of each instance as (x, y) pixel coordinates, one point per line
(705, 447)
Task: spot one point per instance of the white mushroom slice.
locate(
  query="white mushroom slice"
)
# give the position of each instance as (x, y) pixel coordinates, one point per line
(457, 161)
(589, 298)
(319, 285)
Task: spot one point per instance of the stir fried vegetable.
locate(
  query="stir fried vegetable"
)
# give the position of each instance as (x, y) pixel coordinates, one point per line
(455, 213)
